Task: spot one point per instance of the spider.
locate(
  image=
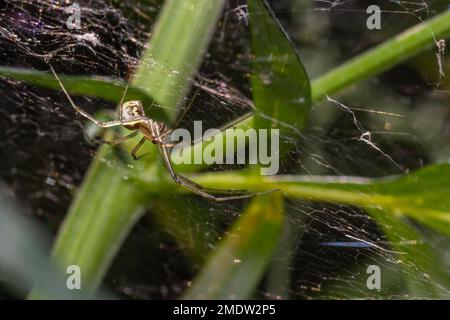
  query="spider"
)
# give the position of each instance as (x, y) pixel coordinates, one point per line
(131, 115)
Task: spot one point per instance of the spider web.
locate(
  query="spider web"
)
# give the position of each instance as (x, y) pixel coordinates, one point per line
(391, 124)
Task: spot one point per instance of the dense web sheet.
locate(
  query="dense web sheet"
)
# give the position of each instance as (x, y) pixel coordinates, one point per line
(391, 124)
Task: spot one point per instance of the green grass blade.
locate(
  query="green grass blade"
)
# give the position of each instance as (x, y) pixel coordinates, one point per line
(100, 217)
(181, 36)
(236, 267)
(93, 86)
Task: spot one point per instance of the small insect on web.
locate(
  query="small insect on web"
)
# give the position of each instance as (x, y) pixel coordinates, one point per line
(440, 56)
(131, 115)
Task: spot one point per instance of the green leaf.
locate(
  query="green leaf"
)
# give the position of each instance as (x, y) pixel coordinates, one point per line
(423, 196)
(280, 85)
(236, 267)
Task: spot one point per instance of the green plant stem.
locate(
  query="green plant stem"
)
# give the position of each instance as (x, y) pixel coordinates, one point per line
(384, 56)
(294, 186)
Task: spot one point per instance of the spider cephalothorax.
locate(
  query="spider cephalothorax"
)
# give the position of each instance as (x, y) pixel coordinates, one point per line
(132, 109)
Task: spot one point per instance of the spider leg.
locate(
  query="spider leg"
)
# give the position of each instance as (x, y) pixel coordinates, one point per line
(114, 141)
(103, 124)
(196, 188)
(136, 148)
(179, 117)
(123, 97)
(221, 129)
(120, 140)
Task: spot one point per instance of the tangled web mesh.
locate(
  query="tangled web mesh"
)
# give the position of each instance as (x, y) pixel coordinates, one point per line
(372, 130)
